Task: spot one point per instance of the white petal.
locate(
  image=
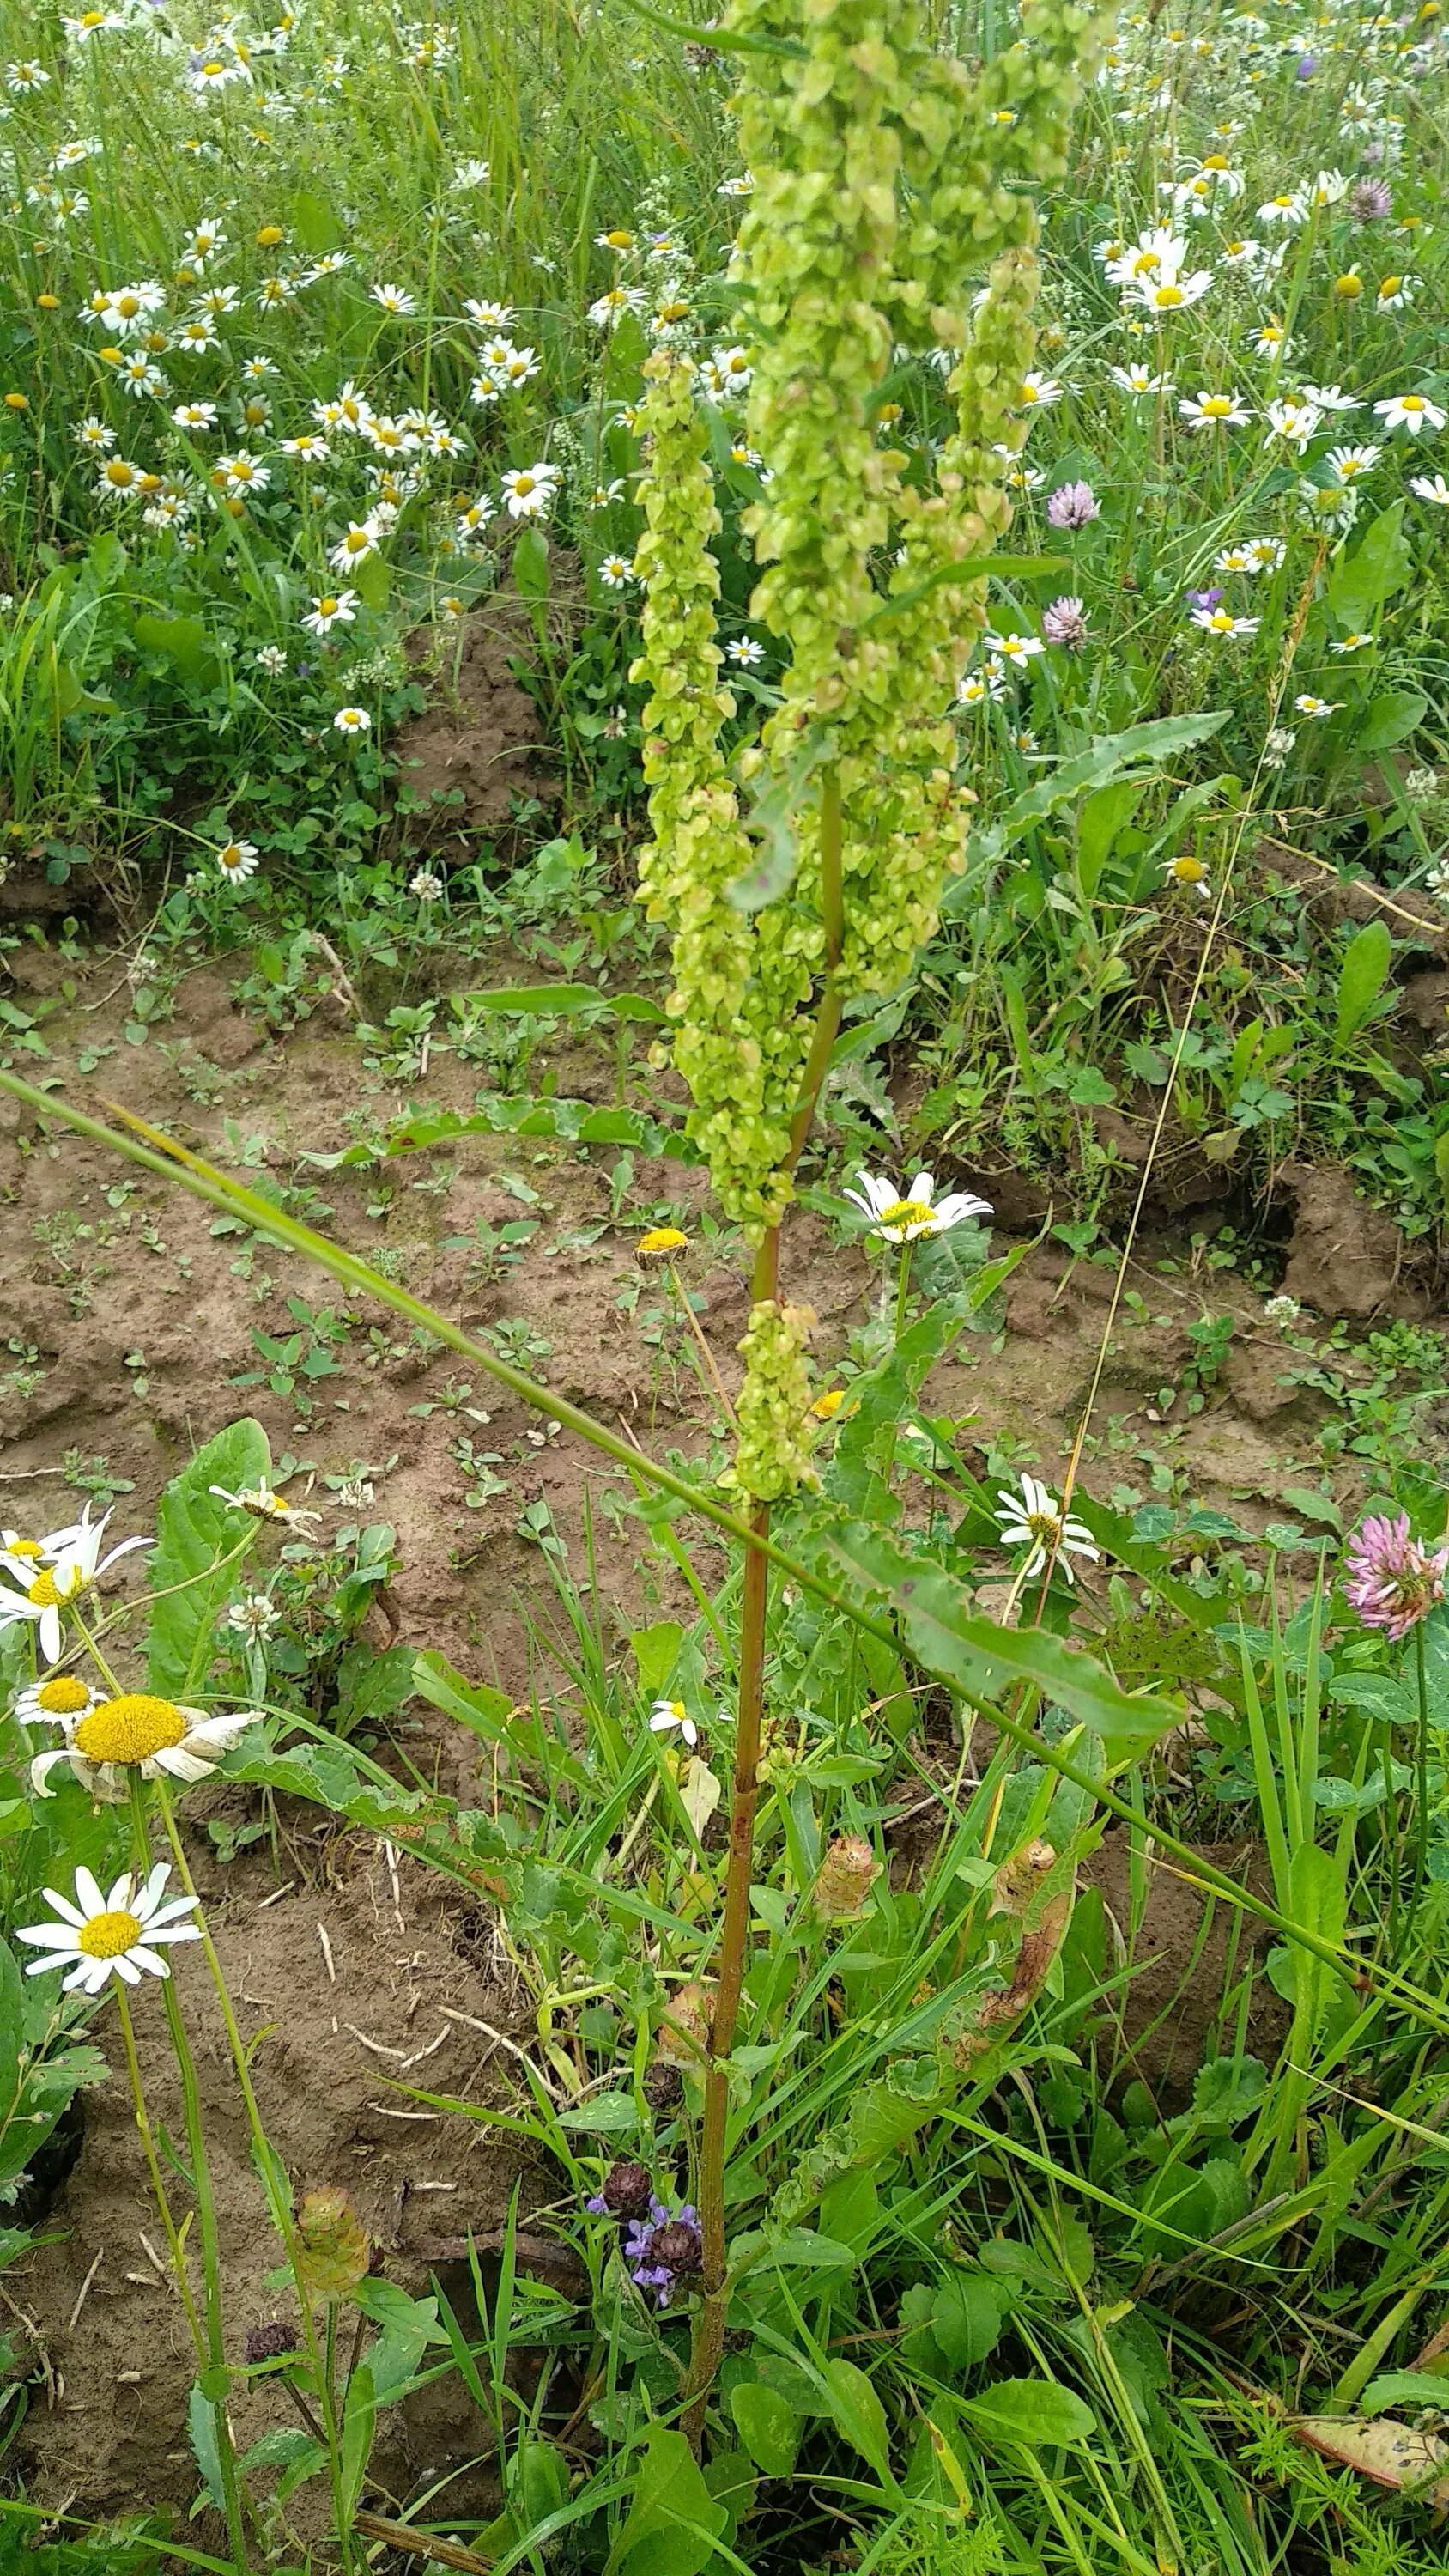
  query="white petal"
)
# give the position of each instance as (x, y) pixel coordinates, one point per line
(172, 1932)
(175, 1759)
(150, 1896)
(116, 1553)
(59, 1959)
(83, 1975)
(920, 1190)
(68, 1912)
(120, 1896)
(138, 1956)
(123, 1968)
(47, 1936)
(88, 1893)
(50, 1637)
(43, 1764)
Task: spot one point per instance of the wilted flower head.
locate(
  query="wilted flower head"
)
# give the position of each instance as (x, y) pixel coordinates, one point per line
(1073, 505)
(1278, 742)
(271, 2342)
(1391, 1579)
(1065, 622)
(844, 1879)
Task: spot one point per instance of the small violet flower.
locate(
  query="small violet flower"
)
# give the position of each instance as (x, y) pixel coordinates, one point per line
(1207, 599)
(1391, 1579)
(663, 2251)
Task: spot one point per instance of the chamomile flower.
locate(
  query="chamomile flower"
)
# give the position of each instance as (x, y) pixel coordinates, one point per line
(1411, 412)
(334, 608)
(1173, 290)
(242, 472)
(1319, 709)
(94, 437)
(1331, 506)
(1350, 462)
(1245, 254)
(1213, 411)
(1220, 621)
(1292, 421)
(264, 1503)
(1035, 1519)
(1188, 874)
(1394, 292)
(195, 415)
(393, 299)
(1286, 210)
(60, 1697)
(1039, 392)
(352, 721)
(310, 447)
(1141, 380)
(1430, 487)
(1264, 554)
(610, 307)
(744, 650)
(726, 373)
(1354, 643)
(355, 546)
(237, 861)
(670, 1717)
(1233, 559)
(1269, 339)
(529, 491)
(919, 1213)
(616, 572)
(53, 1572)
(489, 317)
(137, 1732)
(120, 1933)
(1016, 649)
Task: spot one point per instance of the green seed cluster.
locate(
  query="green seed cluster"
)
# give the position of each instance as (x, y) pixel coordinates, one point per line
(740, 1038)
(886, 178)
(776, 1426)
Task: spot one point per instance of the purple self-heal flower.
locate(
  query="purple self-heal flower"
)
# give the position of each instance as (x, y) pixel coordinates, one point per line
(626, 2193)
(1391, 1579)
(662, 2251)
(1073, 505)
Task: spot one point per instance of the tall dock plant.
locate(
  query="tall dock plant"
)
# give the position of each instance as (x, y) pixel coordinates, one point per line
(888, 182)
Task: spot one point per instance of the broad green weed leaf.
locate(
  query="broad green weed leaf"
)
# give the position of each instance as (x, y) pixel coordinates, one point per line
(859, 2416)
(194, 1528)
(1038, 2413)
(768, 2427)
(1361, 978)
(1379, 564)
(673, 2522)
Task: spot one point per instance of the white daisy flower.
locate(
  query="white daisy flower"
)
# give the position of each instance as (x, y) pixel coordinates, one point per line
(1350, 643)
(264, 1504)
(489, 317)
(238, 860)
(1328, 398)
(139, 1732)
(667, 1715)
(744, 650)
(1035, 1519)
(58, 1570)
(1294, 422)
(1349, 462)
(393, 299)
(1218, 621)
(919, 1213)
(616, 572)
(1412, 412)
(1319, 708)
(59, 1700)
(352, 720)
(1038, 391)
(1394, 292)
(195, 415)
(1213, 411)
(1264, 554)
(334, 608)
(1430, 487)
(359, 542)
(530, 490)
(120, 1932)
(1141, 380)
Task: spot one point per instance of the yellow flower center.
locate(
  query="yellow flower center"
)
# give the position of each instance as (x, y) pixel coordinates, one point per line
(828, 1405)
(1390, 285)
(1347, 287)
(912, 1213)
(1144, 266)
(1187, 870)
(129, 1729)
(106, 1936)
(1169, 295)
(1216, 161)
(1045, 1527)
(1412, 402)
(46, 1593)
(663, 1238)
(327, 607)
(62, 1695)
(1216, 407)
(26, 1547)
(619, 240)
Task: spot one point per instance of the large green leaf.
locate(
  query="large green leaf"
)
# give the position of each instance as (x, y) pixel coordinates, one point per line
(983, 1659)
(767, 2425)
(1379, 564)
(674, 2521)
(194, 1531)
(1361, 978)
(1031, 2411)
(859, 2415)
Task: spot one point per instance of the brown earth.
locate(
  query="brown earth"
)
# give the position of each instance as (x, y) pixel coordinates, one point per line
(130, 1320)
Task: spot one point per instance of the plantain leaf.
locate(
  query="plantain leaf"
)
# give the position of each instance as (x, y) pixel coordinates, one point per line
(194, 1529)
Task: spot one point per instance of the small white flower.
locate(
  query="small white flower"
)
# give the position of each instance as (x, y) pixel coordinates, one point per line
(425, 885)
(1294, 422)
(1430, 487)
(237, 861)
(1220, 621)
(744, 650)
(1016, 649)
(352, 720)
(271, 659)
(919, 1213)
(1213, 411)
(1326, 398)
(1141, 380)
(1035, 1519)
(1264, 554)
(530, 490)
(1318, 708)
(1349, 462)
(55, 1571)
(100, 1933)
(667, 1716)
(1412, 412)
(359, 542)
(1278, 743)
(60, 1699)
(334, 608)
(264, 1504)
(1038, 392)
(254, 1617)
(1350, 643)
(1282, 1311)
(393, 299)
(195, 415)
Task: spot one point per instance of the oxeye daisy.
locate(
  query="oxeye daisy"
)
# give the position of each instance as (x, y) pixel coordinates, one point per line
(352, 720)
(60, 1698)
(355, 546)
(1294, 422)
(1013, 648)
(1213, 411)
(138, 1732)
(121, 1933)
(309, 446)
(1318, 708)
(1411, 412)
(1348, 462)
(1264, 554)
(1220, 621)
(744, 650)
(54, 1571)
(668, 1717)
(1034, 1518)
(195, 415)
(393, 299)
(1141, 380)
(237, 861)
(919, 1213)
(616, 572)
(530, 490)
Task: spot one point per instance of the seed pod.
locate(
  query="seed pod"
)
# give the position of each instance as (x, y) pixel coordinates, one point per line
(844, 1880)
(331, 2243)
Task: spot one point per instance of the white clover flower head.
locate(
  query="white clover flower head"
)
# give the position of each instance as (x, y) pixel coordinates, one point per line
(121, 1933)
(1035, 1519)
(919, 1213)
